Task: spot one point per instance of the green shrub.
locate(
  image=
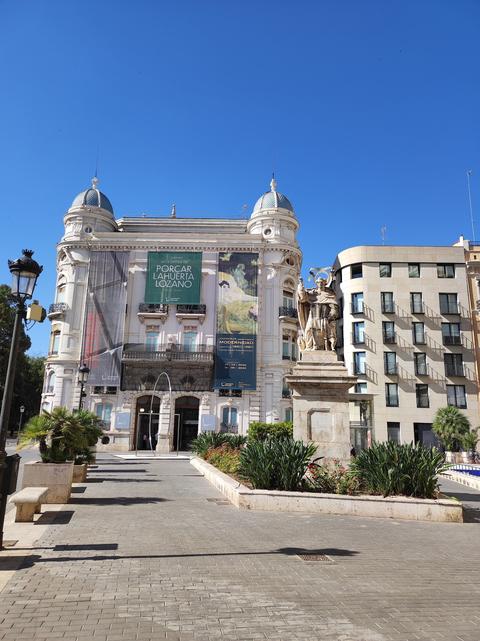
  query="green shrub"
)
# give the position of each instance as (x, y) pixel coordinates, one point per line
(336, 480)
(258, 431)
(275, 463)
(208, 440)
(470, 440)
(59, 433)
(450, 425)
(406, 469)
(225, 458)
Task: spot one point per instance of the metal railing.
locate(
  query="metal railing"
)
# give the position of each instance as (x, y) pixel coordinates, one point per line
(449, 309)
(191, 309)
(153, 308)
(289, 312)
(389, 338)
(140, 352)
(359, 308)
(417, 308)
(57, 308)
(452, 340)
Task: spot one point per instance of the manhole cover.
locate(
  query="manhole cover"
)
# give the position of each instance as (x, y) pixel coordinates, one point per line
(323, 558)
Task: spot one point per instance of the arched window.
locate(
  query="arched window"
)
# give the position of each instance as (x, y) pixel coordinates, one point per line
(104, 412)
(50, 387)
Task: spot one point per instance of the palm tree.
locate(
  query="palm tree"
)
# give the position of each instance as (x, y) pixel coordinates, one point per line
(450, 425)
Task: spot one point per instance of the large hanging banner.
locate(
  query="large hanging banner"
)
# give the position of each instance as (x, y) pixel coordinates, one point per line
(237, 313)
(105, 317)
(174, 277)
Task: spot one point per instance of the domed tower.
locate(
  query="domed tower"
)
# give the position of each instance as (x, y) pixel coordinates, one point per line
(273, 217)
(90, 212)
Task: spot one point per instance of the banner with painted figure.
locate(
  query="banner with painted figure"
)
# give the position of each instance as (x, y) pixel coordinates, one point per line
(237, 314)
(105, 316)
(174, 278)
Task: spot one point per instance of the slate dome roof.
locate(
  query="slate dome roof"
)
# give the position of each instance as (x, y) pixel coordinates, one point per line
(273, 199)
(93, 197)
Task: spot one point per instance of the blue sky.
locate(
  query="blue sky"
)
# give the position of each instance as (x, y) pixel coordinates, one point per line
(367, 111)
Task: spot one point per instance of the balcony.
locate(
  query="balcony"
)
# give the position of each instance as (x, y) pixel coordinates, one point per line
(358, 308)
(133, 352)
(449, 309)
(388, 307)
(288, 313)
(191, 311)
(391, 370)
(152, 310)
(57, 310)
(452, 340)
(389, 338)
(417, 308)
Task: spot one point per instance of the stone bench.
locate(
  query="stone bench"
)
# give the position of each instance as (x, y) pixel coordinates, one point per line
(28, 502)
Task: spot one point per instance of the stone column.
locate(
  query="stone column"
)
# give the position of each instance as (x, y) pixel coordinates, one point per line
(320, 384)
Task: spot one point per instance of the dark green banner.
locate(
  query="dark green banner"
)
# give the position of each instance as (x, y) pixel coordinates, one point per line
(174, 277)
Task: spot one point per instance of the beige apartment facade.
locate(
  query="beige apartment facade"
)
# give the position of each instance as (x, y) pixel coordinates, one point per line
(406, 333)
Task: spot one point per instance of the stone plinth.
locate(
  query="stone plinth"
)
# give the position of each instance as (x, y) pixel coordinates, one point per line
(320, 384)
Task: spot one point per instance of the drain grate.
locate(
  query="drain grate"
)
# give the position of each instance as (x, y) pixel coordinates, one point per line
(323, 558)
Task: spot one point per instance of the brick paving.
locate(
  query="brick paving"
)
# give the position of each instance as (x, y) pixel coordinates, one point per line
(142, 554)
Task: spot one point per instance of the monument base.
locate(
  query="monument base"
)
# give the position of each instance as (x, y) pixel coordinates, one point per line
(320, 384)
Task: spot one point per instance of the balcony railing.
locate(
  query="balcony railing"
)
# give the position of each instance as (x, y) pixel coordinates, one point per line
(192, 309)
(417, 308)
(389, 338)
(289, 312)
(449, 309)
(153, 308)
(358, 308)
(139, 352)
(391, 370)
(452, 340)
(451, 370)
(388, 307)
(57, 309)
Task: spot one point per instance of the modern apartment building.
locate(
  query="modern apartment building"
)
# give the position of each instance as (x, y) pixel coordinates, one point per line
(206, 305)
(406, 332)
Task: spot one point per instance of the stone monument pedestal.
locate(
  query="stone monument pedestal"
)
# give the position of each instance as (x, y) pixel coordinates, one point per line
(320, 384)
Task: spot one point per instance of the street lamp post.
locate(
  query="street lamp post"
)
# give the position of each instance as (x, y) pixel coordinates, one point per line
(83, 372)
(20, 421)
(25, 272)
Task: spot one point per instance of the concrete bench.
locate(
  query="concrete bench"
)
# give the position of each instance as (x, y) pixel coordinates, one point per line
(28, 502)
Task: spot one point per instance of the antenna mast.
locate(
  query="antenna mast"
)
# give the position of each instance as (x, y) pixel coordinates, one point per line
(383, 233)
(469, 173)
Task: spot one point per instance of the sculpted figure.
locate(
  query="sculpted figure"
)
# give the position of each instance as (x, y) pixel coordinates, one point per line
(318, 312)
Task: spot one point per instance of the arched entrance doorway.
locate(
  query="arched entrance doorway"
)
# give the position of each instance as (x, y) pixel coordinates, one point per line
(141, 439)
(186, 422)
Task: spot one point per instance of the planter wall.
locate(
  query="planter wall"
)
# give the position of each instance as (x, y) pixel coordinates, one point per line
(56, 476)
(396, 507)
(80, 473)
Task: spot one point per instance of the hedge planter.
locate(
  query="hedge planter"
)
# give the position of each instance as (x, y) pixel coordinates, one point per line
(393, 507)
(80, 473)
(57, 477)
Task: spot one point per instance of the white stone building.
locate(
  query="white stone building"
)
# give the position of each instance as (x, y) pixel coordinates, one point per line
(181, 339)
(407, 335)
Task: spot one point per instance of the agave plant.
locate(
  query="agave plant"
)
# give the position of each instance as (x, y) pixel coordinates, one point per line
(208, 440)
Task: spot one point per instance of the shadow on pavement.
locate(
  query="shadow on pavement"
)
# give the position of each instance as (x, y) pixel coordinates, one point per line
(62, 517)
(102, 479)
(117, 500)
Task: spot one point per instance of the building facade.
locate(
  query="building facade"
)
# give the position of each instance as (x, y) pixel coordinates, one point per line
(406, 332)
(162, 371)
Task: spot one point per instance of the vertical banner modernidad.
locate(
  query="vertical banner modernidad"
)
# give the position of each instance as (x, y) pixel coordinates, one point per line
(174, 278)
(237, 313)
(105, 316)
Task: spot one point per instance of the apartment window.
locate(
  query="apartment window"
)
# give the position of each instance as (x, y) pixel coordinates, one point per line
(388, 329)
(286, 392)
(55, 342)
(390, 362)
(358, 331)
(104, 412)
(393, 431)
(356, 271)
(338, 276)
(190, 341)
(289, 415)
(289, 348)
(360, 388)
(418, 333)
(151, 338)
(422, 395)
(453, 364)
(456, 396)
(385, 270)
(287, 299)
(420, 363)
(229, 419)
(391, 394)
(357, 303)
(445, 270)
(414, 270)
(50, 387)
(386, 299)
(451, 334)
(448, 304)
(359, 362)
(416, 303)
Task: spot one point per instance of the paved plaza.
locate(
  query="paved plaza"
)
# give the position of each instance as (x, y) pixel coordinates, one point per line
(149, 550)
